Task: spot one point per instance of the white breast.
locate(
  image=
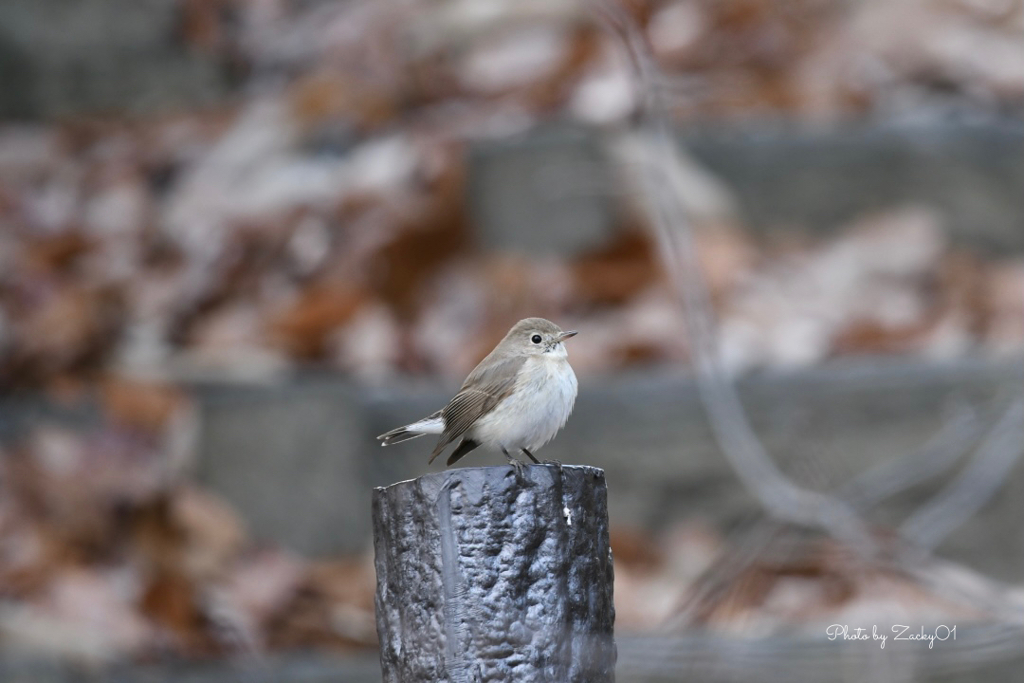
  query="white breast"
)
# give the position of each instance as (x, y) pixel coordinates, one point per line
(535, 410)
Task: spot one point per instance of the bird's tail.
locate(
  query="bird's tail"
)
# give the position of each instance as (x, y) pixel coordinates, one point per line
(433, 424)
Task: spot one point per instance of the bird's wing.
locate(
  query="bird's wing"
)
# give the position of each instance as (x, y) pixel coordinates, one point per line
(485, 387)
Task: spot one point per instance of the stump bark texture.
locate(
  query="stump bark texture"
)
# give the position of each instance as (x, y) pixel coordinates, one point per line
(482, 576)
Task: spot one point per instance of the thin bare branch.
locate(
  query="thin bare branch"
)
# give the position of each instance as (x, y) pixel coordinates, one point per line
(965, 495)
(942, 451)
(659, 166)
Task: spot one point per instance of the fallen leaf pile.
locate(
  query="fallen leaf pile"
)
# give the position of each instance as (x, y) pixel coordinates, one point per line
(362, 65)
(321, 217)
(109, 552)
(375, 274)
(780, 581)
(889, 285)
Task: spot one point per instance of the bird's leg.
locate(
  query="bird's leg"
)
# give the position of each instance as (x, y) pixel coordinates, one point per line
(517, 465)
(530, 455)
(546, 462)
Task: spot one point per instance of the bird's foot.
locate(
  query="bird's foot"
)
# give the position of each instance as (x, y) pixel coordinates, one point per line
(520, 468)
(517, 465)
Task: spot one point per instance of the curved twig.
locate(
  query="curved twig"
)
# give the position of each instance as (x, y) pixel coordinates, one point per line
(979, 480)
(781, 497)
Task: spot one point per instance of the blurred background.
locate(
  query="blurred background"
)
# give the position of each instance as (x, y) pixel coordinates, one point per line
(240, 238)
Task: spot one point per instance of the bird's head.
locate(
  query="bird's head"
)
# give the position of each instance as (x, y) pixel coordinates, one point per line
(536, 336)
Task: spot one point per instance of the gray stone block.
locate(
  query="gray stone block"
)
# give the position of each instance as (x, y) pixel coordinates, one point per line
(290, 459)
(547, 191)
(66, 57)
(551, 190)
(820, 180)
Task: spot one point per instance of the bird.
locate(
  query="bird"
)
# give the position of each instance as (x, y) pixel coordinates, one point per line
(515, 400)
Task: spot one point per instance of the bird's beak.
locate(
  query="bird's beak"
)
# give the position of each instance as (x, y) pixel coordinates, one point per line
(566, 335)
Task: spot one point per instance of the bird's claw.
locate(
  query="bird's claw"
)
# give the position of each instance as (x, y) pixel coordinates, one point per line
(519, 467)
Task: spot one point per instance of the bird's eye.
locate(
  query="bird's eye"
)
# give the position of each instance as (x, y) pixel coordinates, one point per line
(535, 339)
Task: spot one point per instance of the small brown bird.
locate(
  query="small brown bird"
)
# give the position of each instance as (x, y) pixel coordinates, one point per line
(516, 399)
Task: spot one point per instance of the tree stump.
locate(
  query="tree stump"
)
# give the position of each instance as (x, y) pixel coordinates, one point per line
(482, 576)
